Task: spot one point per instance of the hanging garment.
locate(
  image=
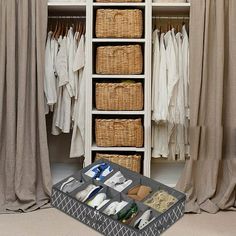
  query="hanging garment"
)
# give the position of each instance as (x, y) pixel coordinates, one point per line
(172, 89)
(172, 73)
(78, 135)
(185, 52)
(76, 75)
(70, 60)
(54, 49)
(155, 72)
(63, 116)
(61, 63)
(49, 80)
(160, 111)
(180, 114)
(160, 129)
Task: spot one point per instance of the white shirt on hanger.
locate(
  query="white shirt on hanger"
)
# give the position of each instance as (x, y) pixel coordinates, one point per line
(49, 80)
(63, 116)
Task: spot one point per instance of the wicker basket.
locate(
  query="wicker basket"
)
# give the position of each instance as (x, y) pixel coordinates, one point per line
(119, 0)
(119, 60)
(132, 162)
(116, 23)
(119, 96)
(119, 132)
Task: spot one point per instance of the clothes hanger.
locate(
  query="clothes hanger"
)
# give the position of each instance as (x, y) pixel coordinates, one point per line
(79, 31)
(59, 29)
(67, 27)
(55, 30)
(84, 28)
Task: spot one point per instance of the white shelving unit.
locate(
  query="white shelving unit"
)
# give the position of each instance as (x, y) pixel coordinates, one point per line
(145, 77)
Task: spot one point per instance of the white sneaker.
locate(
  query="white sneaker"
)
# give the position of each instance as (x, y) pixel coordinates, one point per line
(120, 206)
(87, 193)
(111, 209)
(121, 187)
(144, 220)
(70, 185)
(103, 204)
(97, 200)
(118, 182)
(115, 207)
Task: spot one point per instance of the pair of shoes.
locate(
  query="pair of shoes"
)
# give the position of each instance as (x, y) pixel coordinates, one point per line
(139, 192)
(118, 182)
(98, 201)
(144, 220)
(88, 193)
(127, 216)
(70, 185)
(115, 207)
(100, 171)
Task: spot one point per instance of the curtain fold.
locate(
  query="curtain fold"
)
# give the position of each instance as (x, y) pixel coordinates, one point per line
(209, 177)
(25, 178)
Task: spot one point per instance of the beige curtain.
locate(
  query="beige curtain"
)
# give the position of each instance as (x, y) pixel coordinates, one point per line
(25, 179)
(209, 178)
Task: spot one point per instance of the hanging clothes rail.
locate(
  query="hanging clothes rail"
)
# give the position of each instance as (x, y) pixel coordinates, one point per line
(171, 17)
(67, 17)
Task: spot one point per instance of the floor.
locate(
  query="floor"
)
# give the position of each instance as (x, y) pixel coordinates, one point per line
(52, 222)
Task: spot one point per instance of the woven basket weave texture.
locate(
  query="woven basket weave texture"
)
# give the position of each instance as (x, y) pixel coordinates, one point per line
(119, 60)
(119, 96)
(131, 162)
(115, 23)
(119, 132)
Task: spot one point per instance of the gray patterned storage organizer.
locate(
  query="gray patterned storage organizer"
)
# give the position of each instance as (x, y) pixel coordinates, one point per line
(107, 225)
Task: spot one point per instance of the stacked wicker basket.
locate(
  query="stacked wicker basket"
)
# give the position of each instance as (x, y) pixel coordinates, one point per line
(124, 95)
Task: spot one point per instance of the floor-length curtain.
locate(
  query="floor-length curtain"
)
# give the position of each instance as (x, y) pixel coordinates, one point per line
(209, 177)
(25, 179)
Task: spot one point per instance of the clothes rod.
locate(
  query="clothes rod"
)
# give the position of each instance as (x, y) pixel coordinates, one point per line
(67, 17)
(171, 17)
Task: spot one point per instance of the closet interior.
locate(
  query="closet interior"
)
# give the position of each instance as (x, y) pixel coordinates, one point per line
(100, 82)
(66, 29)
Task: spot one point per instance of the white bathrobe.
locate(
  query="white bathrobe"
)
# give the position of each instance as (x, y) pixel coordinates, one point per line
(78, 135)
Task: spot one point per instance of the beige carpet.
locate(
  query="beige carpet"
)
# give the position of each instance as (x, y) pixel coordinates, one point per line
(51, 222)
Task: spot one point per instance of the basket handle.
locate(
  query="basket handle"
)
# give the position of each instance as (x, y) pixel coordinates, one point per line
(113, 52)
(119, 86)
(118, 123)
(118, 13)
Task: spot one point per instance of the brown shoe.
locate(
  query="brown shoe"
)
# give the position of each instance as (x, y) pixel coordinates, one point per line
(139, 192)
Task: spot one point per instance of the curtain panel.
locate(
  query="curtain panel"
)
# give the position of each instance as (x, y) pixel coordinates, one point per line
(25, 178)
